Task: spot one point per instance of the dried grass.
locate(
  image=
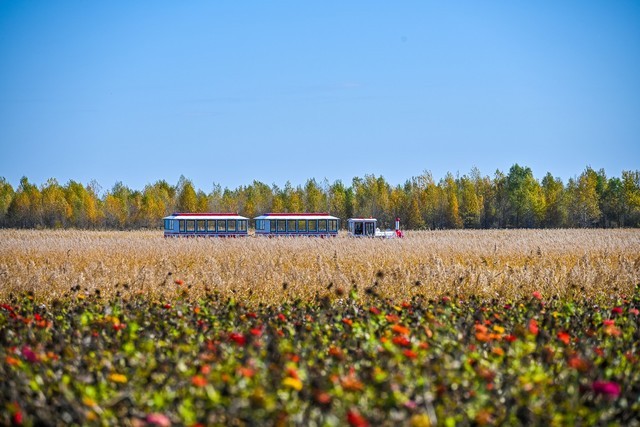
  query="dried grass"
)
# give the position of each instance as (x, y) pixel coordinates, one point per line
(502, 264)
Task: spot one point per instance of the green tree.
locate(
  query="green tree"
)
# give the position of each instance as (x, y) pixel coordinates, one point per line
(584, 210)
(6, 195)
(450, 202)
(631, 190)
(556, 210)
(314, 198)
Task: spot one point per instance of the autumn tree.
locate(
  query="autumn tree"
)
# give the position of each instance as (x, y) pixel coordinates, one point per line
(56, 211)
(25, 210)
(584, 210)
(187, 197)
(470, 207)
(631, 191)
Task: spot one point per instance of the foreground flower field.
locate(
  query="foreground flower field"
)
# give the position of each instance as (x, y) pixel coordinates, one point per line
(337, 359)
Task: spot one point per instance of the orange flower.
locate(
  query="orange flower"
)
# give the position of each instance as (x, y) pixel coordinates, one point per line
(497, 351)
(347, 321)
(246, 372)
(12, 361)
(578, 363)
(392, 318)
(199, 381)
(350, 382)
(533, 326)
(179, 282)
(399, 329)
(336, 352)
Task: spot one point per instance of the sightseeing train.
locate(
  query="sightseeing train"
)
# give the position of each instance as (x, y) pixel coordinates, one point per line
(271, 225)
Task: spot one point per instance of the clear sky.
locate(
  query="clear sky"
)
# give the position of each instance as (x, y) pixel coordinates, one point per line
(232, 91)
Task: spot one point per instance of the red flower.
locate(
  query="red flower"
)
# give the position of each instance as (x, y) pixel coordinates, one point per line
(237, 338)
(533, 326)
(256, 331)
(347, 321)
(17, 418)
(252, 315)
(564, 337)
(410, 354)
(537, 295)
(609, 389)
(634, 311)
(282, 317)
(355, 419)
(179, 282)
(510, 338)
(617, 310)
(374, 310)
(608, 322)
(401, 340)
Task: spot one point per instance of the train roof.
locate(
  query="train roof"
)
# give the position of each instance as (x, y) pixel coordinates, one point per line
(301, 215)
(204, 215)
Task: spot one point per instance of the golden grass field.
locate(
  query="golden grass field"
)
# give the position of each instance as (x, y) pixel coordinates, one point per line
(502, 264)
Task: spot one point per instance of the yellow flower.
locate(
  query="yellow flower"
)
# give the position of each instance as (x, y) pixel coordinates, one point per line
(294, 383)
(117, 378)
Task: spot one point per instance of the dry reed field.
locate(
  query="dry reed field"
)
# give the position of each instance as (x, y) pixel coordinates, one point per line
(490, 264)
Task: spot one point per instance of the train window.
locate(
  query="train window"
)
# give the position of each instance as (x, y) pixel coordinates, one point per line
(358, 229)
(181, 225)
(231, 225)
(201, 225)
(260, 224)
(222, 225)
(291, 225)
(333, 225)
(369, 228)
(302, 225)
(211, 226)
(322, 225)
(282, 226)
(272, 225)
(191, 225)
(313, 226)
(168, 224)
(242, 225)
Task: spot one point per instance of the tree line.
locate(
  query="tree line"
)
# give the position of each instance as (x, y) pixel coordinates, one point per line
(516, 199)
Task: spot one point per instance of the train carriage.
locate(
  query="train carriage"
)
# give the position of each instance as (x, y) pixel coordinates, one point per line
(297, 224)
(205, 225)
(367, 227)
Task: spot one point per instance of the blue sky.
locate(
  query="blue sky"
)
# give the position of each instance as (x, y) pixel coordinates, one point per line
(229, 92)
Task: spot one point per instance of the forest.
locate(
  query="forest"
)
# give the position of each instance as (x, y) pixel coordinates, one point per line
(473, 201)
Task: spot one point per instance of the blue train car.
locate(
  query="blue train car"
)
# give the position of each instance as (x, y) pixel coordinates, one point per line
(205, 225)
(297, 224)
